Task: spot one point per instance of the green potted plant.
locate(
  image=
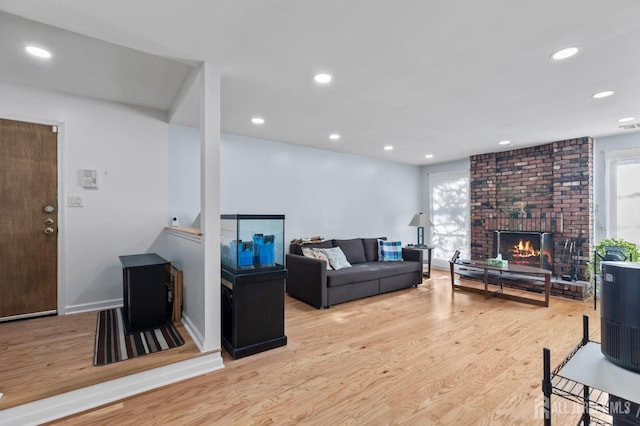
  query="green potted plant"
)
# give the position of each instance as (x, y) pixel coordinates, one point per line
(629, 248)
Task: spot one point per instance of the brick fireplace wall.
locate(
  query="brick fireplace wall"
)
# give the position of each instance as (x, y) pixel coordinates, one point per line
(547, 181)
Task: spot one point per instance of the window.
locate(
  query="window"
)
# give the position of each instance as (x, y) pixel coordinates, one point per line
(623, 197)
(449, 209)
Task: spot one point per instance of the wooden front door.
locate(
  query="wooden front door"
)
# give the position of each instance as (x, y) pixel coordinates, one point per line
(28, 219)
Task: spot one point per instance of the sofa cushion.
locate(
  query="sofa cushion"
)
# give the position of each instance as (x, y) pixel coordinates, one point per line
(316, 254)
(371, 248)
(337, 259)
(370, 271)
(308, 252)
(389, 251)
(352, 249)
(297, 248)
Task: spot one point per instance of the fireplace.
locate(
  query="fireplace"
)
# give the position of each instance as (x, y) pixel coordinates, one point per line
(524, 248)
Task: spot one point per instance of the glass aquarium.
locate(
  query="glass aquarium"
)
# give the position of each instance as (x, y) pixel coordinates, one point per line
(251, 242)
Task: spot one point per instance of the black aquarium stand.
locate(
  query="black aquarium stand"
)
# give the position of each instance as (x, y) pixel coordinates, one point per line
(252, 312)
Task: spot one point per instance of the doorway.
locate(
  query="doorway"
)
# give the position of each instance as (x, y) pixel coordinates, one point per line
(29, 219)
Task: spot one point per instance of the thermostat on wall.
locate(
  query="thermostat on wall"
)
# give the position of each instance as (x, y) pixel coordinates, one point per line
(90, 179)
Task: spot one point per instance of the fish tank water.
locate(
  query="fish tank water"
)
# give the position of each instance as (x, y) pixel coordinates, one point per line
(251, 242)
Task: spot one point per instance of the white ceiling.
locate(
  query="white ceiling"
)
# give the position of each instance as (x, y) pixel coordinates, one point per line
(87, 67)
(451, 78)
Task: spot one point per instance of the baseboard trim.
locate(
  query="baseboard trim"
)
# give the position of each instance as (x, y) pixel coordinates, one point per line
(197, 338)
(31, 315)
(94, 306)
(66, 404)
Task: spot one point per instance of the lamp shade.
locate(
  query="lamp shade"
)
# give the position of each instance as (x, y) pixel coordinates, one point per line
(420, 220)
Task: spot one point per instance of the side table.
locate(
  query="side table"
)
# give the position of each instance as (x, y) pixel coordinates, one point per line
(144, 278)
(428, 249)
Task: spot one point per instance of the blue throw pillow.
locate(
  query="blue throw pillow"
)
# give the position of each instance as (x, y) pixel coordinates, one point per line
(389, 251)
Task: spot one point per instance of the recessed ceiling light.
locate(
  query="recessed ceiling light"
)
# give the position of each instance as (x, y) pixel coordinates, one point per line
(604, 94)
(428, 156)
(388, 148)
(624, 120)
(38, 52)
(504, 142)
(257, 120)
(322, 78)
(334, 136)
(564, 53)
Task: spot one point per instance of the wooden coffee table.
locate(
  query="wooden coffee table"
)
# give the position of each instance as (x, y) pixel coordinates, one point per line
(513, 272)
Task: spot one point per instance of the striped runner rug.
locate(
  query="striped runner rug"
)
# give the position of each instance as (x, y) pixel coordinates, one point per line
(113, 344)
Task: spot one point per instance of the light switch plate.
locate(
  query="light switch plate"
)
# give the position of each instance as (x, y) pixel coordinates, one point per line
(74, 201)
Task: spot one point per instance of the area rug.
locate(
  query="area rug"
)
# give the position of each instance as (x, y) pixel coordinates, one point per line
(113, 344)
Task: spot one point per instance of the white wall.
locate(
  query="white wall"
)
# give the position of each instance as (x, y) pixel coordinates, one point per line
(320, 192)
(128, 211)
(184, 173)
(187, 254)
(602, 146)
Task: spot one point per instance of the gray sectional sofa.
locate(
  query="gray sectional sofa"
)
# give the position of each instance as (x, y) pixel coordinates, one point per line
(309, 280)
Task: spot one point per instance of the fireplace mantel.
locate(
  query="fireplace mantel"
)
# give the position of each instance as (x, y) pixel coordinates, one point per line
(535, 222)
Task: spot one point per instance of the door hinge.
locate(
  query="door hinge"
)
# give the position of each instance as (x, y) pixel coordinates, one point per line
(54, 129)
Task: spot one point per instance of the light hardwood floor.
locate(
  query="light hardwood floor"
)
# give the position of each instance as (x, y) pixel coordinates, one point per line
(417, 356)
(42, 357)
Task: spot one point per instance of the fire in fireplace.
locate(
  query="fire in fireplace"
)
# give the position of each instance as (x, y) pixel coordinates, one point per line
(524, 248)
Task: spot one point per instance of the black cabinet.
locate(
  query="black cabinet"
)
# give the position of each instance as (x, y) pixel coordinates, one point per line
(252, 312)
(144, 279)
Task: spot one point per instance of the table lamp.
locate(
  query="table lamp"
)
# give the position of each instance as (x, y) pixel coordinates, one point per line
(420, 220)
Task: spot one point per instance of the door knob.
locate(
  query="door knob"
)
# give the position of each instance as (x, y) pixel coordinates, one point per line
(48, 221)
(49, 209)
(49, 230)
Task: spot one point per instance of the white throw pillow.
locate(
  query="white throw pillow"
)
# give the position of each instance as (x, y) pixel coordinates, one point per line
(336, 256)
(320, 255)
(315, 253)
